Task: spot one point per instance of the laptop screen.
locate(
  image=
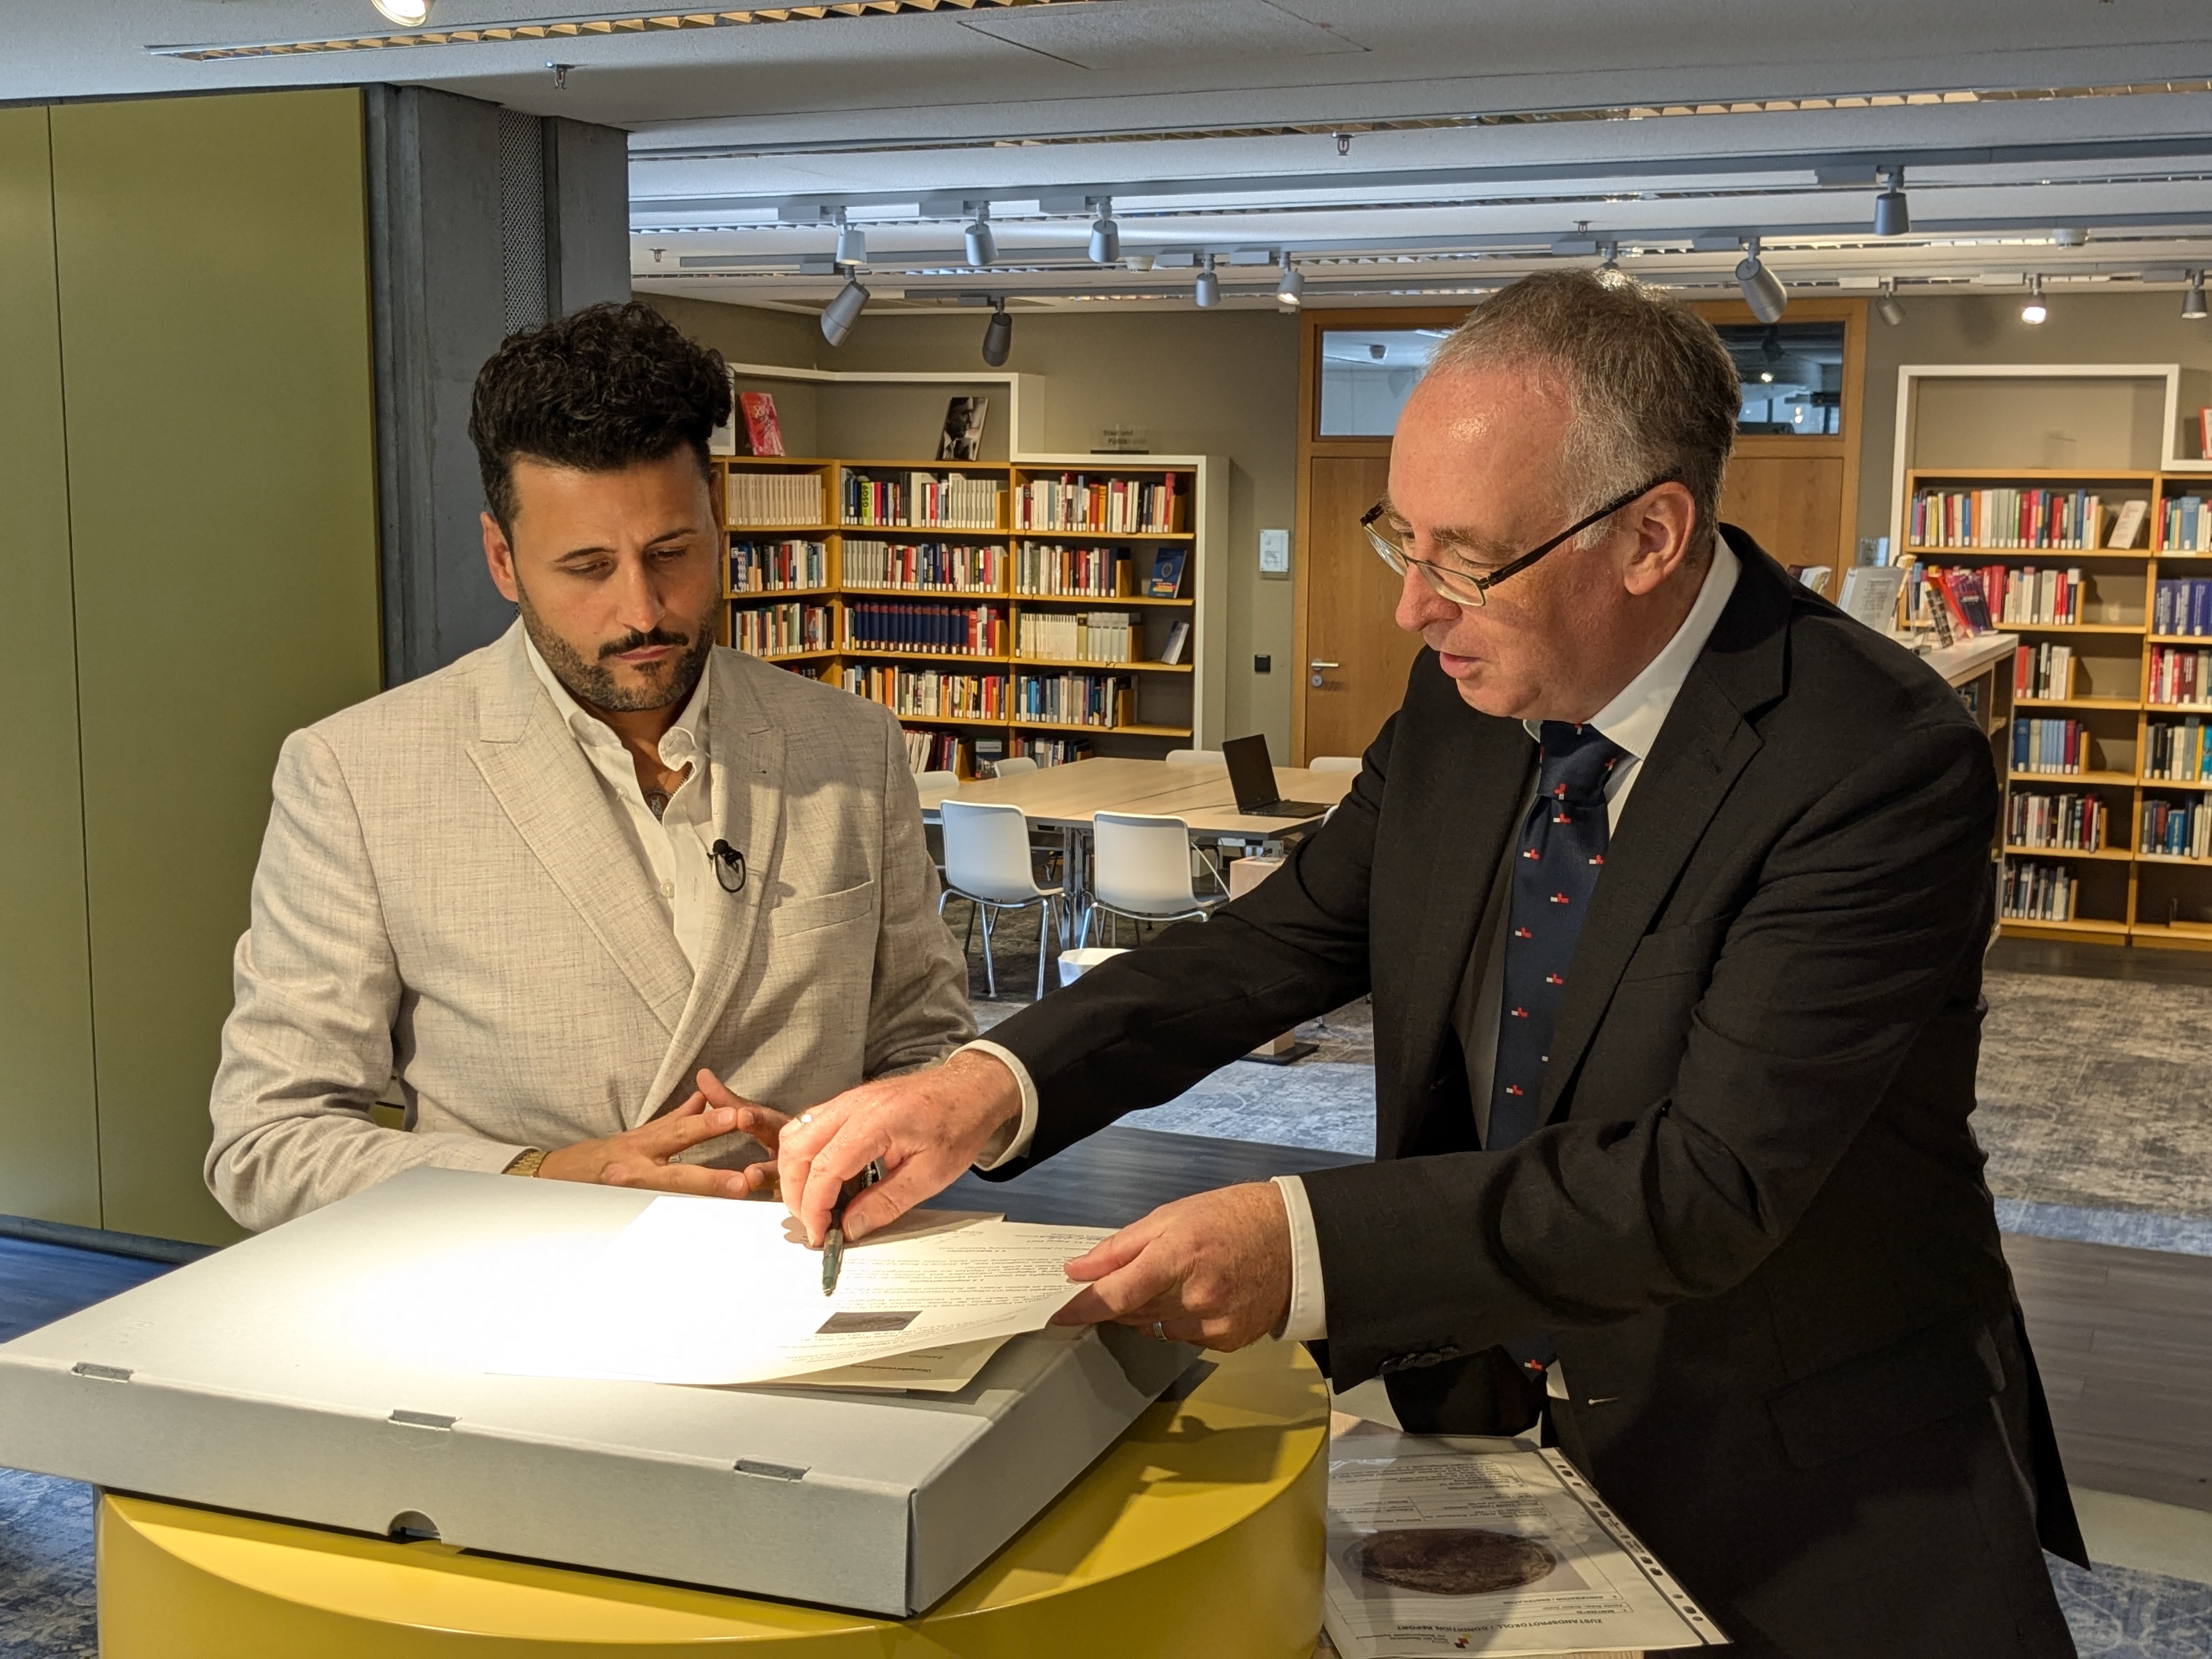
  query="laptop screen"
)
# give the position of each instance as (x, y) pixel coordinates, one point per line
(1251, 773)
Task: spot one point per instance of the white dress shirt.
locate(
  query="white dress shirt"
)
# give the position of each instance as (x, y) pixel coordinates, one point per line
(1632, 721)
(676, 848)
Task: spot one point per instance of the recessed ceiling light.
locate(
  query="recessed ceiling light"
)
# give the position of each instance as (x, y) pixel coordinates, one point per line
(408, 13)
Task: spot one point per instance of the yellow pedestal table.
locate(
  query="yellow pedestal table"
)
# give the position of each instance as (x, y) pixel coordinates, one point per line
(1199, 1533)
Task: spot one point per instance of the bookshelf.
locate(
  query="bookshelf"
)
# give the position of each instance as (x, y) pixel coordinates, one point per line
(2120, 432)
(995, 608)
(2132, 729)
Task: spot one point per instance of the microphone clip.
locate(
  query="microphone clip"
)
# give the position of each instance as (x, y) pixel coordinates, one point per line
(729, 867)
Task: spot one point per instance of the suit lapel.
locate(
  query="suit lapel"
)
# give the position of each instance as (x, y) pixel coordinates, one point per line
(745, 779)
(1458, 804)
(559, 807)
(1705, 744)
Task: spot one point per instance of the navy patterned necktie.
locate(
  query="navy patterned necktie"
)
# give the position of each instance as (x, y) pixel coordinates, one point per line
(1555, 871)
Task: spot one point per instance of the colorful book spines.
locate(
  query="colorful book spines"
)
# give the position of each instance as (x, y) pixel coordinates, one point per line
(2057, 747)
(894, 625)
(2007, 518)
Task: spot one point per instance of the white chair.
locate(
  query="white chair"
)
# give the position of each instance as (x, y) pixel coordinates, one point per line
(1012, 767)
(1333, 763)
(1074, 964)
(1197, 757)
(986, 862)
(926, 781)
(1140, 869)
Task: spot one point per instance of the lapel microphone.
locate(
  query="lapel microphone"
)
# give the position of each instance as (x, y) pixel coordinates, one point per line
(729, 867)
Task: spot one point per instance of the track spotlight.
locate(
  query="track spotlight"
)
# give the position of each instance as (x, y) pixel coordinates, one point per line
(408, 13)
(2035, 311)
(1139, 262)
(1290, 291)
(1105, 234)
(2071, 235)
(998, 335)
(1886, 308)
(1609, 270)
(1208, 291)
(1762, 290)
(1891, 216)
(2192, 303)
(982, 246)
(852, 242)
(842, 312)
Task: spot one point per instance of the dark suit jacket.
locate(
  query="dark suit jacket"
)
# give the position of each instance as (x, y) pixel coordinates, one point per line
(1754, 1220)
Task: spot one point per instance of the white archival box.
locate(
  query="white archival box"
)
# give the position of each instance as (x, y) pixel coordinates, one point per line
(291, 1376)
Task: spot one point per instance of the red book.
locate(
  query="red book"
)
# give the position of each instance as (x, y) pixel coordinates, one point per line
(763, 432)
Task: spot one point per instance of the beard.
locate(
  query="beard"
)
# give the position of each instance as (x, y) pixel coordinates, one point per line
(593, 681)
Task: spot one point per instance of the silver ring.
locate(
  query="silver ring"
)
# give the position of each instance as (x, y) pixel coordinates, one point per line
(806, 1117)
(1159, 1332)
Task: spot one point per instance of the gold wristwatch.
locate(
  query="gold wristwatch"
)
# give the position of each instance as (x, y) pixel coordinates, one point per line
(526, 1164)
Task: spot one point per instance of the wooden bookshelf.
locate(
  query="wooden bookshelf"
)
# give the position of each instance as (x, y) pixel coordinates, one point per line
(1171, 700)
(2125, 895)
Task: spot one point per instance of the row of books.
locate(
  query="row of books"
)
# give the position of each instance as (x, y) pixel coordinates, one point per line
(2025, 594)
(766, 567)
(939, 751)
(1055, 751)
(2035, 891)
(1079, 635)
(950, 501)
(772, 498)
(928, 567)
(774, 630)
(2008, 518)
(1076, 502)
(1076, 699)
(2188, 525)
(2057, 747)
(1960, 592)
(2180, 675)
(929, 693)
(894, 625)
(2043, 673)
(1105, 573)
(2077, 823)
(2177, 750)
(2176, 829)
(2182, 604)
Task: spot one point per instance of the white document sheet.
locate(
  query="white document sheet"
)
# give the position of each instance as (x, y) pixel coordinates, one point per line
(926, 1371)
(1434, 1548)
(715, 1291)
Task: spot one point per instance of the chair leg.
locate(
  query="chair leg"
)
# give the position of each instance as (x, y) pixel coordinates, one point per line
(1044, 920)
(990, 969)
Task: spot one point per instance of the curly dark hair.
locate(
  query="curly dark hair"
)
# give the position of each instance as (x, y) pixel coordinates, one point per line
(596, 390)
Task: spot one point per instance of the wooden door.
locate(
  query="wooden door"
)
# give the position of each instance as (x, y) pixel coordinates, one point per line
(1356, 657)
(1791, 505)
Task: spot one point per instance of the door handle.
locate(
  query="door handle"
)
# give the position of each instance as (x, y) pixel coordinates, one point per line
(1317, 663)
(1318, 668)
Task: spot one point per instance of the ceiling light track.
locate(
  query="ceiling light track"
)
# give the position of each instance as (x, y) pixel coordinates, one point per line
(1884, 100)
(584, 28)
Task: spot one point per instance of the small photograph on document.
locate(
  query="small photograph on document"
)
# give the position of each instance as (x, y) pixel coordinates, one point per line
(1450, 1562)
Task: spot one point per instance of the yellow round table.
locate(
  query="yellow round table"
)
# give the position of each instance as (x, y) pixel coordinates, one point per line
(1199, 1533)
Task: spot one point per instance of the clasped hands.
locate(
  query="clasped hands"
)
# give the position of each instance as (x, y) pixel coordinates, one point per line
(1213, 1268)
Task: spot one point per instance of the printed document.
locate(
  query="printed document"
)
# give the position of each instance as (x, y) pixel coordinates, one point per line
(1434, 1548)
(715, 1291)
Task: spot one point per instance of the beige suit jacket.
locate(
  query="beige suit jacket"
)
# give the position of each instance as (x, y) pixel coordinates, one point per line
(448, 900)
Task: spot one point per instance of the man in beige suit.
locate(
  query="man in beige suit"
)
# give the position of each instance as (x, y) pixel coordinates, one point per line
(543, 891)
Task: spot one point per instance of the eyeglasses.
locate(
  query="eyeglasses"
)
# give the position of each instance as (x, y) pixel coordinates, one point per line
(1468, 588)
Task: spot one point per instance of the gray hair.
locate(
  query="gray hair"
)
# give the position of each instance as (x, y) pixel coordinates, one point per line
(1650, 388)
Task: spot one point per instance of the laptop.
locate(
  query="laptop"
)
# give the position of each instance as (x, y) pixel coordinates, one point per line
(1252, 775)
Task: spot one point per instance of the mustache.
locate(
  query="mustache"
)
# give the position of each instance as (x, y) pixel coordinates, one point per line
(637, 641)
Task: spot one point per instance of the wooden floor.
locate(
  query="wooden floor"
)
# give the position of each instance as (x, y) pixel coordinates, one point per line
(2124, 1342)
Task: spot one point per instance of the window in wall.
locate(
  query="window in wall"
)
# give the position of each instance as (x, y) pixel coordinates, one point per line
(1792, 375)
(1367, 375)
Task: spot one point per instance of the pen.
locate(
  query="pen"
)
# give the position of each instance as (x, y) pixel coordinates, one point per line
(832, 1245)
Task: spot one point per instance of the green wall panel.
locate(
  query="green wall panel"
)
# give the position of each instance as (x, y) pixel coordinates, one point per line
(215, 339)
(49, 1146)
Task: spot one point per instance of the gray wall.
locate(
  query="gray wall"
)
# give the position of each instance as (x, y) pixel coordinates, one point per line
(451, 273)
(1986, 328)
(1190, 383)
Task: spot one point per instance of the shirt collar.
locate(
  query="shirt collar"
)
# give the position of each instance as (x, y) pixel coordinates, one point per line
(682, 742)
(1633, 718)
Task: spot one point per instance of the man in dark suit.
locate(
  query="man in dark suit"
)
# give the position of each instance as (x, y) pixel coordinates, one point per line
(1671, 886)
